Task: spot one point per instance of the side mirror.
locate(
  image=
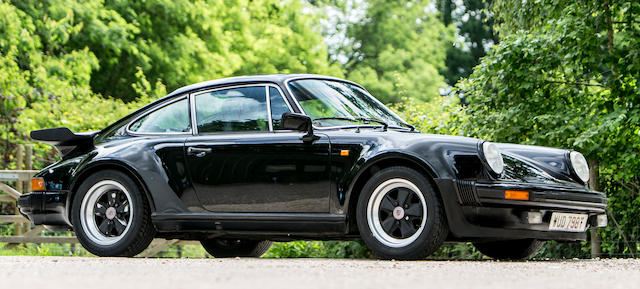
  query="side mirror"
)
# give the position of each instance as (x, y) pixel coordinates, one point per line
(299, 122)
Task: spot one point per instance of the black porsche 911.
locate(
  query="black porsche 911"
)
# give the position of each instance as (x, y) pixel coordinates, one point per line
(240, 162)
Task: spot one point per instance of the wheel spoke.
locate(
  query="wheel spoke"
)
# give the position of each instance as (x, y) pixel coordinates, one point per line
(100, 209)
(389, 224)
(406, 229)
(403, 195)
(414, 210)
(386, 204)
(119, 225)
(123, 208)
(105, 227)
(111, 196)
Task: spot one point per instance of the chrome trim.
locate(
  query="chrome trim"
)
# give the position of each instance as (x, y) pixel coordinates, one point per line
(284, 97)
(192, 114)
(550, 203)
(293, 96)
(572, 169)
(152, 110)
(268, 101)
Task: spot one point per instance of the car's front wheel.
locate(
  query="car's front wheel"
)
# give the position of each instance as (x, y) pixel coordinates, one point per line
(110, 215)
(228, 248)
(509, 249)
(400, 215)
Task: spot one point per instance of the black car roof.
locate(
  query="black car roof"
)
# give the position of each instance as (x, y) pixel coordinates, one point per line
(277, 78)
(274, 78)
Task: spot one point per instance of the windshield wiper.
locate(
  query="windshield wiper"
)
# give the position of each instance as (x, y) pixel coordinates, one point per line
(412, 128)
(365, 119)
(336, 117)
(384, 124)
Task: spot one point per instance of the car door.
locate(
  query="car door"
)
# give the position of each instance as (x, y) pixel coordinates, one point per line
(239, 161)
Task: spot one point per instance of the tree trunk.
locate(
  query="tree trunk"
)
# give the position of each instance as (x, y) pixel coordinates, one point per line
(596, 240)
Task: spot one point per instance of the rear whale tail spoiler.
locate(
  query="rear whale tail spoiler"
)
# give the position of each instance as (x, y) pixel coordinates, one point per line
(64, 139)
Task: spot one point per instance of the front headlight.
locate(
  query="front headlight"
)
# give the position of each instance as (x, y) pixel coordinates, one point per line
(493, 157)
(579, 166)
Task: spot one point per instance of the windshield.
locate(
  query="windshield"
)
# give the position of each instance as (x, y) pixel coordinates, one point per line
(337, 103)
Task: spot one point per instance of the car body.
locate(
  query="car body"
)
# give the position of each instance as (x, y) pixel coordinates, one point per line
(251, 180)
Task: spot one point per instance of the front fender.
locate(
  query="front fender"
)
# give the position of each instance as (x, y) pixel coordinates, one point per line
(349, 185)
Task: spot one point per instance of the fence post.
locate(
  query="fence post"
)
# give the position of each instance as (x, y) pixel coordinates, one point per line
(19, 187)
(594, 179)
(28, 165)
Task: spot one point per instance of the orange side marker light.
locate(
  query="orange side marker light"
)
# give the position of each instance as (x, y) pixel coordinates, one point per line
(37, 184)
(516, 195)
(344, 153)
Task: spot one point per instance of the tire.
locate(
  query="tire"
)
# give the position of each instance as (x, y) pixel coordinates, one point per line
(406, 233)
(509, 249)
(228, 248)
(104, 203)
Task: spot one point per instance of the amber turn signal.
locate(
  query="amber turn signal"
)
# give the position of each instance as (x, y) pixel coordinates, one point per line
(37, 184)
(344, 153)
(516, 195)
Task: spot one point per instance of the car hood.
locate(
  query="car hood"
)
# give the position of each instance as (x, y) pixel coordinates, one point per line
(523, 163)
(537, 164)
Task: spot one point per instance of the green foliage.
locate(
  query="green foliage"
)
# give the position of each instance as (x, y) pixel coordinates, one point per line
(565, 74)
(73, 63)
(175, 43)
(317, 249)
(556, 250)
(438, 116)
(474, 35)
(398, 51)
(30, 74)
(457, 251)
(31, 249)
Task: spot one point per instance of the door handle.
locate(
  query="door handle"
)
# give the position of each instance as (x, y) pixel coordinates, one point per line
(198, 152)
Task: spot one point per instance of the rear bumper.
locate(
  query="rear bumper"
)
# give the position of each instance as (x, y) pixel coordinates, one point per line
(477, 211)
(48, 208)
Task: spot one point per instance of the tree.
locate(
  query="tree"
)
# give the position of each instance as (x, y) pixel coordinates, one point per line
(398, 50)
(565, 74)
(71, 63)
(29, 73)
(176, 43)
(474, 29)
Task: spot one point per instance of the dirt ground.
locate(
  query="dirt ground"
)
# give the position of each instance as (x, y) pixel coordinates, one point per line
(111, 273)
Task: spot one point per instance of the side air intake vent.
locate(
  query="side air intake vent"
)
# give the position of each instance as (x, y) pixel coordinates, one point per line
(467, 193)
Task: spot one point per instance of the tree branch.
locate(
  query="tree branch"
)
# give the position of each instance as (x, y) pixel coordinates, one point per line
(575, 83)
(624, 236)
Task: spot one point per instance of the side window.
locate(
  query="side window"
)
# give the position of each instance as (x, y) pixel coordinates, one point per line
(278, 107)
(173, 118)
(233, 109)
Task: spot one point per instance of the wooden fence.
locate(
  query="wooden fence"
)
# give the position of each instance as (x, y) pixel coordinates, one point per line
(14, 183)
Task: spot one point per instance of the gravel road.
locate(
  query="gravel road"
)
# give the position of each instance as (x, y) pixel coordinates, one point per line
(116, 273)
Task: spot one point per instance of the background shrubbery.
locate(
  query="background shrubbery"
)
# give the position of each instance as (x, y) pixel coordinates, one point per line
(555, 73)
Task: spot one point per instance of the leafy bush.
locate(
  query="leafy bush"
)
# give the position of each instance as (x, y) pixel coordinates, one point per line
(318, 249)
(564, 75)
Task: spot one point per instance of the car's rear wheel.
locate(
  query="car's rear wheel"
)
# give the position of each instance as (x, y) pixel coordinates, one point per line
(110, 215)
(228, 248)
(509, 249)
(400, 215)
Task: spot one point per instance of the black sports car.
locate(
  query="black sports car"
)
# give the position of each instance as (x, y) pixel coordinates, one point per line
(239, 162)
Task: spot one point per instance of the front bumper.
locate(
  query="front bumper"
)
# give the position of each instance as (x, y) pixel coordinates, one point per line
(44, 208)
(479, 211)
